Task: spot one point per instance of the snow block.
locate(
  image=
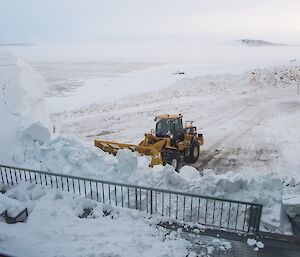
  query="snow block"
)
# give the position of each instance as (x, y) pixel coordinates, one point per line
(291, 204)
(189, 173)
(128, 161)
(38, 132)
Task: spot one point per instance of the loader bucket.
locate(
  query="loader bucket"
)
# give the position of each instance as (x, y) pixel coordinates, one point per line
(113, 147)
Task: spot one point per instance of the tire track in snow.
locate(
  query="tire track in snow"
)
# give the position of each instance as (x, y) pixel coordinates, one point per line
(215, 155)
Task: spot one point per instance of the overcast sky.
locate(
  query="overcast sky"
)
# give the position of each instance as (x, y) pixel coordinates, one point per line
(50, 21)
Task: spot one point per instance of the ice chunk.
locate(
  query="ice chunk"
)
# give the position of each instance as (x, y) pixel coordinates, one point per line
(189, 173)
(251, 241)
(38, 131)
(128, 161)
(291, 204)
(260, 244)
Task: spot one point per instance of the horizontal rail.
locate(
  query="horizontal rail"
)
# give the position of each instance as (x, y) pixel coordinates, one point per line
(205, 210)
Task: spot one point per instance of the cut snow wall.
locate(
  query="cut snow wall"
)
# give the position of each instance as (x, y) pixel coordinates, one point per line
(24, 120)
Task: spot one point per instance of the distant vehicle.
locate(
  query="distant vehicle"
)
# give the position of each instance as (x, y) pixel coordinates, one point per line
(179, 73)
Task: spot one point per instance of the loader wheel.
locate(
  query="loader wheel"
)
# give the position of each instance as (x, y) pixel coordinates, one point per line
(171, 157)
(194, 151)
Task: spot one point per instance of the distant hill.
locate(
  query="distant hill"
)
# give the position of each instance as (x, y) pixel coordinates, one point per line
(254, 43)
(15, 44)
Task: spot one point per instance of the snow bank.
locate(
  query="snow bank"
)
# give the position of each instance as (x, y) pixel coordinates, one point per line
(69, 156)
(23, 116)
(256, 244)
(249, 185)
(53, 228)
(127, 160)
(12, 206)
(275, 77)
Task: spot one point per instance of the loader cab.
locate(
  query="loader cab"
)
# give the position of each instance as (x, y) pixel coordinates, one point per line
(170, 126)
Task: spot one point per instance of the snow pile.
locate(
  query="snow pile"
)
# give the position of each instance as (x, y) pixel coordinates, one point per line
(12, 206)
(257, 244)
(249, 185)
(127, 160)
(291, 204)
(25, 138)
(252, 80)
(55, 229)
(67, 156)
(275, 77)
(23, 116)
(189, 173)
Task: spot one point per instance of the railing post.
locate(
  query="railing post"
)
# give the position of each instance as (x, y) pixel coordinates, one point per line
(12, 183)
(151, 202)
(1, 175)
(258, 218)
(254, 219)
(136, 199)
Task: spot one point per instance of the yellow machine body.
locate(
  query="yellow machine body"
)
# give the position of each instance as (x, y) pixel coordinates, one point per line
(159, 147)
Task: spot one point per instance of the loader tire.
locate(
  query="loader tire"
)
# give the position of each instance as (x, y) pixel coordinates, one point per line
(171, 157)
(194, 151)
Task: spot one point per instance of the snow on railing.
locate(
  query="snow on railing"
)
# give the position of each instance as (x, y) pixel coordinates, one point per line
(205, 210)
(21, 217)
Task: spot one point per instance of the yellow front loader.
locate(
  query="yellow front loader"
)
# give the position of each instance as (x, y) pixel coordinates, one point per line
(167, 144)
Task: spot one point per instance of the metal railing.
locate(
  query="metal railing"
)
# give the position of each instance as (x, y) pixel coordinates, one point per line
(21, 217)
(208, 211)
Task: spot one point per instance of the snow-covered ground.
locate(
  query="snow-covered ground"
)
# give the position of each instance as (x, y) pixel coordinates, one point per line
(54, 228)
(100, 82)
(250, 121)
(250, 124)
(80, 75)
(225, 108)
